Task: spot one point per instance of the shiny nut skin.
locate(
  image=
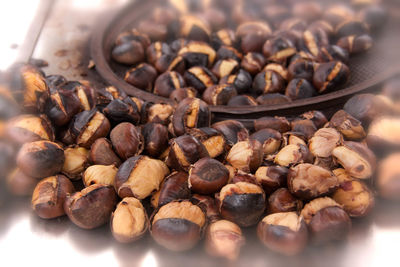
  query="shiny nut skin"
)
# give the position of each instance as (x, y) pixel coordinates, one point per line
(174, 187)
(225, 67)
(242, 81)
(324, 141)
(41, 159)
(303, 69)
(267, 82)
(313, 40)
(356, 44)
(388, 181)
(333, 53)
(126, 140)
(280, 124)
(229, 53)
(128, 53)
(76, 161)
(142, 76)
(92, 207)
(284, 232)
(102, 153)
(198, 54)
(178, 226)
(167, 82)
(246, 155)
(253, 63)
(278, 49)
(207, 176)
(347, 125)
(224, 37)
(293, 154)
(283, 201)
(299, 89)
(243, 203)
(178, 95)
(252, 35)
(200, 78)
(233, 131)
(125, 110)
(62, 105)
(20, 184)
(99, 174)
(213, 140)
(219, 94)
(271, 177)
(383, 134)
(270, 140)
(157, 51)
(190, 113)
(328, 76)
(185, 150)
(242, 100)
(49, 196)
(278, 68)
(129, 221)
(194, 28)
(155, 138)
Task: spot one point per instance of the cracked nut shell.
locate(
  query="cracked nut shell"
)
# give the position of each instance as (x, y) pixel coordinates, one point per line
(126, 140)
(102, 153)
(283, 201)
(271, 177)
(246, 156)
(174, 187)
(76, 161)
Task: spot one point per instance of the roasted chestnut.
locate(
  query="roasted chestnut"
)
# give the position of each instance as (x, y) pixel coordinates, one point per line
(200, 78)
(125, 110)
(224, 37)
(167, 82)
(194, 28)
(328, 76)
(299, 89)
(155, 138)
(225, 67)
(253, 63)
(242, 81)
(128, 53)
(127, 140)
(351, 27)
(301, 69)
(356, 44)
(174, 187)
(253, 35)
(20, 184)
(233, 131)
(268, 82)
(212, 140)
(99, 174)
(293, 154)
(76, 161)
(246, 155)
(324, 141)
(382, 134)
(219, 94)
(272, 99)
(349, 126)
(270, 140)
(242, 100)
(198, 54)
(305, 127)
(317, 117)
(271, 177)
(63, 104)
(278, 49)
(283, 201)
(142, 76)
(388, 181)
(178, 95)
(280, 124)
(102, 153)
(228, 53)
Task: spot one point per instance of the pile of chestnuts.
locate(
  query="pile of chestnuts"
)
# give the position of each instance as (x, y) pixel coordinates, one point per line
(247, 53)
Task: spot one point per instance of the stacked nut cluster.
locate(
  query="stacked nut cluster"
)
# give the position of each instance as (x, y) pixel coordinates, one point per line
(247, 53)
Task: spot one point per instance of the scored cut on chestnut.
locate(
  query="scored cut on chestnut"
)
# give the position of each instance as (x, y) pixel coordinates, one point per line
(212, 140)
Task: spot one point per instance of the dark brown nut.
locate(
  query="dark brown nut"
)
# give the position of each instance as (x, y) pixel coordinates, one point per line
(41, 159)
(49, 196)
(246, 156)
(270, 140)
(278, 68)
(347, 125)
(225, 67)
(157, 113)
(375, 16)
(351, 27)
(356, 158)
(224, 37)
(190, 113)
(272, 99)
(324, 141)
(303, 55)
(356, 44)
(303, 69)
(28, 128)
(267, 82)
(242, 12)
(229, 52)
(128, 53)
(326, 220)
(253, 63)
(307, 181)
(271, 177)
(208, 205)
(76, 161)
(241, 176)
(293, 138)
(242, 100)
(242, 203)
(129, 221)
(366, 107)
(324, 25)
(299, 89)
(200, 78)
(219, 94)
(284, 232)
(295, 24)
(139, 176)
(313, 40)
(154, 30)
(174, 187)
(388, 181)
(178, 95)
(99, 174)
(167, 82)
(338, 13)
(185, 150)
(293, 154)
(55, 81)
(278, 49)
(329, 76)
(88, 126)
(85, 91)
(102, 153)
(194, 28)
(233, 131)
(317, 117)
(198, 54)
(283, 201)
(305, 127)
(242, 81)
(178, 44)
(20, 184)
(383, 134)
(142, 76)
(355, 197)
(178, 226)
(213, 140)
(126, 140)
(281, 124)
(156, 51)
(155, 138)
(253, 35)
(108, 94)
(133, 35)
(92, 207)
(333, 53)
(224, 239)
(122, 111)
(62, 106)
(207, 176)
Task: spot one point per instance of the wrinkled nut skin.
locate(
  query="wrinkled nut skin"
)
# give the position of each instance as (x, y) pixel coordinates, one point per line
(41, 159)
(280, 124)
(92, 207)
(299, 89)
(141, 76)
(126, 140)
(49, 196)
(267, 82)
(324, 141)
(388, 177)
(347, 125)
(219, 94)
(76, 161)
(99, 174)
(185, 150)
(283, 201)
(293, 154)
(174, 187)
(200, 78)
(233, 131)
(213, 140)
(246, 156)
(271, 177)
(270, 139)
(331, 75)
(190, 113)
(307, 181)
(207, 176)
(155, 138)
(19, 184)
(102, 153)
(282, 239)
(167, 82)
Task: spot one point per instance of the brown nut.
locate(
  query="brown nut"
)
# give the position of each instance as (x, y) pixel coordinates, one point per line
(246, 155)
(293, 154)
(133, 35)
(356, 158)
(224, 239)
(233, 131)
(219, 94)
(63, 105)
(128, 53)
(333, 53)
(267, 82)
(242, 81)
(284, 232)
(324, 141)
(299, 89)
(326, 220)
(356, 44)
(307, 181)
(225, 67)
(328, 76)
(302, 69)
(347, 125)
(305, 127)
(383, 134)
(207, 176)
(158, 113)
(125, 110)
(272, 99)
(194, 28)
(178, 226)
(278, 68)
(185, 150)
(198, 54)
(351, 27)
(41, 159)
(208, 205)
(157, 52)
(28, 128)
(174, 187)
(142, 76)
(307, 10)
(155, 138)
(212, 140)
(92, 207)
(129, 221)
(200, 78)
(278, 49)
(324, 25)
(253, 35)
(294, 138)
(178, 95)
(296, 24)
(355, 197)
(76, 161)
(388, 181)
(242, 203)
(317, 117)
(281, 124)
(20, 184)
(242, 100)
(167, 82)
(154, 30)
(127, 140)
(271, 177)
(229, 53)
(283, 201)
(270, 140)
(313, 39)
(253, 63)
(139, 176)
(102, 153)
(99, 174)
(224, 37)
(49, 196)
